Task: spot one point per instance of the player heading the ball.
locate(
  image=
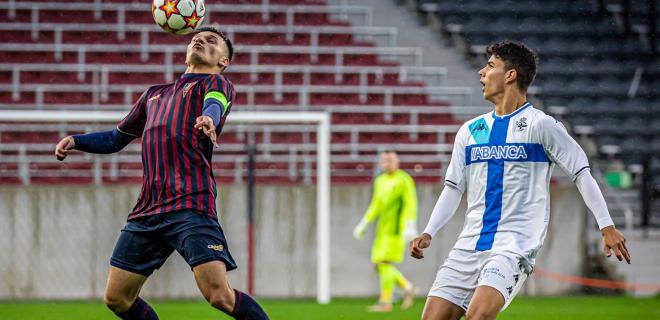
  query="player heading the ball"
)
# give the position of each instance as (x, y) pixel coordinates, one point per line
(179, 124)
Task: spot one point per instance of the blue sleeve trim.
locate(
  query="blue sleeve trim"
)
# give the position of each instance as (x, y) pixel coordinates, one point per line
(214, 109)
(102, 142)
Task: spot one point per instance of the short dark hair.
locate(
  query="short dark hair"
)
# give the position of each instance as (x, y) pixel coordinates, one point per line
(230, 47)
(516, 55)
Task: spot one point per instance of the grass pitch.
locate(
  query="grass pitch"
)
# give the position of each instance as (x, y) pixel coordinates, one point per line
(575, 308)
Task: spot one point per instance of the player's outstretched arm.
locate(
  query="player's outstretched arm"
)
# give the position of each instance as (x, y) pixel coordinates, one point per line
(613, 240)
(97, 142)
(372, 212)
(567, 153)
(444, 209)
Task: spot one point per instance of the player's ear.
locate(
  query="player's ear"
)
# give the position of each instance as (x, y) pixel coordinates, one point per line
(223, 63)
(510, 75)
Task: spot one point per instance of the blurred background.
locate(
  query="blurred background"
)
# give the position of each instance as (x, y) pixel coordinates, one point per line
(391, 74)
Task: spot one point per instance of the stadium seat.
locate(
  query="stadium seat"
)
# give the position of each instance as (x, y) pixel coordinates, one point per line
(77, 56)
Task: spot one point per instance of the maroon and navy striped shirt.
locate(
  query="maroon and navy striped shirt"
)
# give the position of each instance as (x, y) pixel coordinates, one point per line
(176, 157)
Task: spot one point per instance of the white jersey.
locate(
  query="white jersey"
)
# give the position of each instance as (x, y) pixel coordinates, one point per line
(505, 164)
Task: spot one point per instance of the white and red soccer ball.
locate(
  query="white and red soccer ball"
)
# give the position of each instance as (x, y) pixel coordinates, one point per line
(178, 16)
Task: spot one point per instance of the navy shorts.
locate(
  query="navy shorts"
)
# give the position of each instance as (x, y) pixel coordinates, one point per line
(145, 243)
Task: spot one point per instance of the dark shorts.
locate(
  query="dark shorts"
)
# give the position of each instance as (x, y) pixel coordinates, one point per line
(145, 243)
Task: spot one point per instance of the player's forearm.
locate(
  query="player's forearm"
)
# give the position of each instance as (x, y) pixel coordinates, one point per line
(594, 199)
(102, 142)
(213, 109)
(371, 214)
(444, 209)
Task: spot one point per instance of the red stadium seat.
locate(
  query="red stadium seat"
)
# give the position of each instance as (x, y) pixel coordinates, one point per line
(365, 69)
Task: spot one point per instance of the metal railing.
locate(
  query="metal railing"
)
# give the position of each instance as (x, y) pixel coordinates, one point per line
(404, 55)
(100, 92)
(120, 29)
(434, 75)
(356, 14)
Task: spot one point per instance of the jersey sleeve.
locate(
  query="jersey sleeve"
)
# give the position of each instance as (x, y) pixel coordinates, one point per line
(219, 90)
(133, 122)
(455, 175)
(561, 148)
(374, 206)
(409, 197)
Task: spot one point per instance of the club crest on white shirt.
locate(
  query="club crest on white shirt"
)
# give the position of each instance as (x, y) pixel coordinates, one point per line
(521, 124)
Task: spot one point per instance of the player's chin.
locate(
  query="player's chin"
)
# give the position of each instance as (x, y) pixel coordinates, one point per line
(196, 57)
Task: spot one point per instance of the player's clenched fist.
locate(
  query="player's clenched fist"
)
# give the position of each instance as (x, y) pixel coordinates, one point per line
(205, 123)
(418, 245)
(63, 147)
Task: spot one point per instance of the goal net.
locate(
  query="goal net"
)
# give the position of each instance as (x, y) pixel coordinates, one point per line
(28, 139)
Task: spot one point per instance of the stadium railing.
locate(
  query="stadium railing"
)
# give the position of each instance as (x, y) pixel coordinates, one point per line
(101, 91)
(460, 112)
(370, 33)
(296, 165)
(432, 75)
(356, 14)
(404, 55)
(283, 159)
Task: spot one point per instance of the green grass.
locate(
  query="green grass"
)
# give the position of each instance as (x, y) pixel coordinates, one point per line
(574, 308)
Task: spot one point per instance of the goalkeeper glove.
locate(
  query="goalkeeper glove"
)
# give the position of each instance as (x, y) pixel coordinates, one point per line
(360, 229)
(410, 231)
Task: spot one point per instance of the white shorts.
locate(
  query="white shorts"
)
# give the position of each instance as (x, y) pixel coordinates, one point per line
(465, 270)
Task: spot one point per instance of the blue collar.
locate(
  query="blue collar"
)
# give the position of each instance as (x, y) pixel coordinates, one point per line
(524, 106)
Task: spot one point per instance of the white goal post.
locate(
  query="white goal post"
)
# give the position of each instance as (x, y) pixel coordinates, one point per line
(322, 121)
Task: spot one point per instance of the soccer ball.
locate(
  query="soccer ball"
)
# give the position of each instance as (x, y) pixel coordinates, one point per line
(178, 16)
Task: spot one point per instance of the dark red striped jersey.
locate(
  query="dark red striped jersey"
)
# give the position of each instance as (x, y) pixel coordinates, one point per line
(176, 157)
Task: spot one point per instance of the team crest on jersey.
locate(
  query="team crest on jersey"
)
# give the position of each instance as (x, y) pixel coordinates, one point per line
(187, 87)
(521, 124)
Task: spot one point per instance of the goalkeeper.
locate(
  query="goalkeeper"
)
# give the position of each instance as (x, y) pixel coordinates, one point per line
(394, 203)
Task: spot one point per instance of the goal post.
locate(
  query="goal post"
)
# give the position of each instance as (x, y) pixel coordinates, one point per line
(320, 119)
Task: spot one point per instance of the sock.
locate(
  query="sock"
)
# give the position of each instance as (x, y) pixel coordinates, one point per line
(400, 279)
(245, 308)
(387, 282)
(140, 310)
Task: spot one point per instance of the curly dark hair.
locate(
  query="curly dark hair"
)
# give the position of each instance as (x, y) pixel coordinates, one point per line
(230, 47)
(516, 55)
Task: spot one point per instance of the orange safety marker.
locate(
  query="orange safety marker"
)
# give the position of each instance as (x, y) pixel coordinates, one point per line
(597, 283)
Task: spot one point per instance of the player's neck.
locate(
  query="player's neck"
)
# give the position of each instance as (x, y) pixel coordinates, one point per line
(203, 69)
(509, 102)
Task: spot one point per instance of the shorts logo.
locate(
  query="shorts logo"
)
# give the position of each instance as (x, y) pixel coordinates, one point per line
(494, 271)
(510, 289)
(216, 247)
